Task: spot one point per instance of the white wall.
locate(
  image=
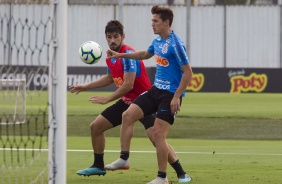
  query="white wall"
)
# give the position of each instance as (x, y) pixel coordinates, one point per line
(253, 36)
(87, 22)
(252, 33)
(207, 36)
(238, 36)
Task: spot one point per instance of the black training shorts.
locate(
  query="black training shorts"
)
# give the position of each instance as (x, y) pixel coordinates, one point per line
(114, 112)
(156, 100)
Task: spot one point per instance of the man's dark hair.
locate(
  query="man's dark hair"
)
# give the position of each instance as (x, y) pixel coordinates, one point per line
(164, 12)
(114, 26)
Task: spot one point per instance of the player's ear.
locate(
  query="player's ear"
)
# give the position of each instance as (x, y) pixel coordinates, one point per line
(166, 22)
(122, 37)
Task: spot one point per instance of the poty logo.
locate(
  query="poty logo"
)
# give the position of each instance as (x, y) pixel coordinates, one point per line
(118, 81)
(196, 83)
(161, 61)
(254, 82)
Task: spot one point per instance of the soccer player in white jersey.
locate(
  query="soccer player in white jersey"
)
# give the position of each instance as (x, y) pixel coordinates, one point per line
(173, 73)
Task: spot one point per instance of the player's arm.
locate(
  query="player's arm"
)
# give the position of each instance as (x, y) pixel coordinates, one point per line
(105, 80)
(185, 79)
(102, 82)
(128, 82)
(129, 74)
(139, 55)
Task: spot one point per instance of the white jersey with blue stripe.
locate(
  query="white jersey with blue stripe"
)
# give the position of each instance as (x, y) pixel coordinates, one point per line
(170, 55)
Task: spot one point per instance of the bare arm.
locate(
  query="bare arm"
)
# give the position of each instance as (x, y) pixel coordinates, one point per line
(126, 86)
(129, 78)
(185, 79)
(102, 82)
(133, 55)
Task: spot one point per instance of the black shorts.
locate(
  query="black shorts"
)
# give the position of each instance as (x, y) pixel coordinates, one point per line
(114, 112)
(156, 101)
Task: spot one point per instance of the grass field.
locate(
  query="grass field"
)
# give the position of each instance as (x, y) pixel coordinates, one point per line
(244, 131)
(202, 116)
(247, 105)
(244, 162)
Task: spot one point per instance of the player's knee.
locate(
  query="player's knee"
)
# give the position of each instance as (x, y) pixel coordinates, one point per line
(158, 136)
(94, 127)
(151, 137)
(126, 117)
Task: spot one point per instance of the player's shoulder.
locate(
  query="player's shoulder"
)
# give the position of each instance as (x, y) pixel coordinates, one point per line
(126, 49)
(157, 39)
(175, 37)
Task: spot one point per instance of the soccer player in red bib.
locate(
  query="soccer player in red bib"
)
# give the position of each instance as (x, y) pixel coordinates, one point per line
(130, 76)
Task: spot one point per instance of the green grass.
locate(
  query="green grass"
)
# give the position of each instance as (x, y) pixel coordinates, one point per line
(245, 105)
(234, 126)
(244, 131)
(202, 116)
(244, 162)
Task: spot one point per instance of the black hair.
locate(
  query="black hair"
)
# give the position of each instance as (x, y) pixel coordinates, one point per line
(164, 12)
(114, 26)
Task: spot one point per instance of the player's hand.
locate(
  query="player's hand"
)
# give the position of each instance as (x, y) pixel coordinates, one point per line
(77, 88)
(98, 99)
(175, 105)
(112, 54)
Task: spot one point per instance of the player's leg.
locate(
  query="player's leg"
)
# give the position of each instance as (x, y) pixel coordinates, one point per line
(160, 131)
(109, 118)
(132, 114)
(173, 160)
(148, 123)
(97, 127)
(143, 105)
(161, 127)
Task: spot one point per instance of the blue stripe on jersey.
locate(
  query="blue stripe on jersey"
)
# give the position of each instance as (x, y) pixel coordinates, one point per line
(179, 47)
(131, 65)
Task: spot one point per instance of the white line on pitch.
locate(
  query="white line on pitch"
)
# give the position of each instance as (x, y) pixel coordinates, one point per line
(181, 152)
(178, 152)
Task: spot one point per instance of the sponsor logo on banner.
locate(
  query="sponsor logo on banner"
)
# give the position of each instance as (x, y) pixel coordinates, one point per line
(238, 72)
(196, 83)
(252, 83)
(230, 80)
(33, 79)
(40, 80)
